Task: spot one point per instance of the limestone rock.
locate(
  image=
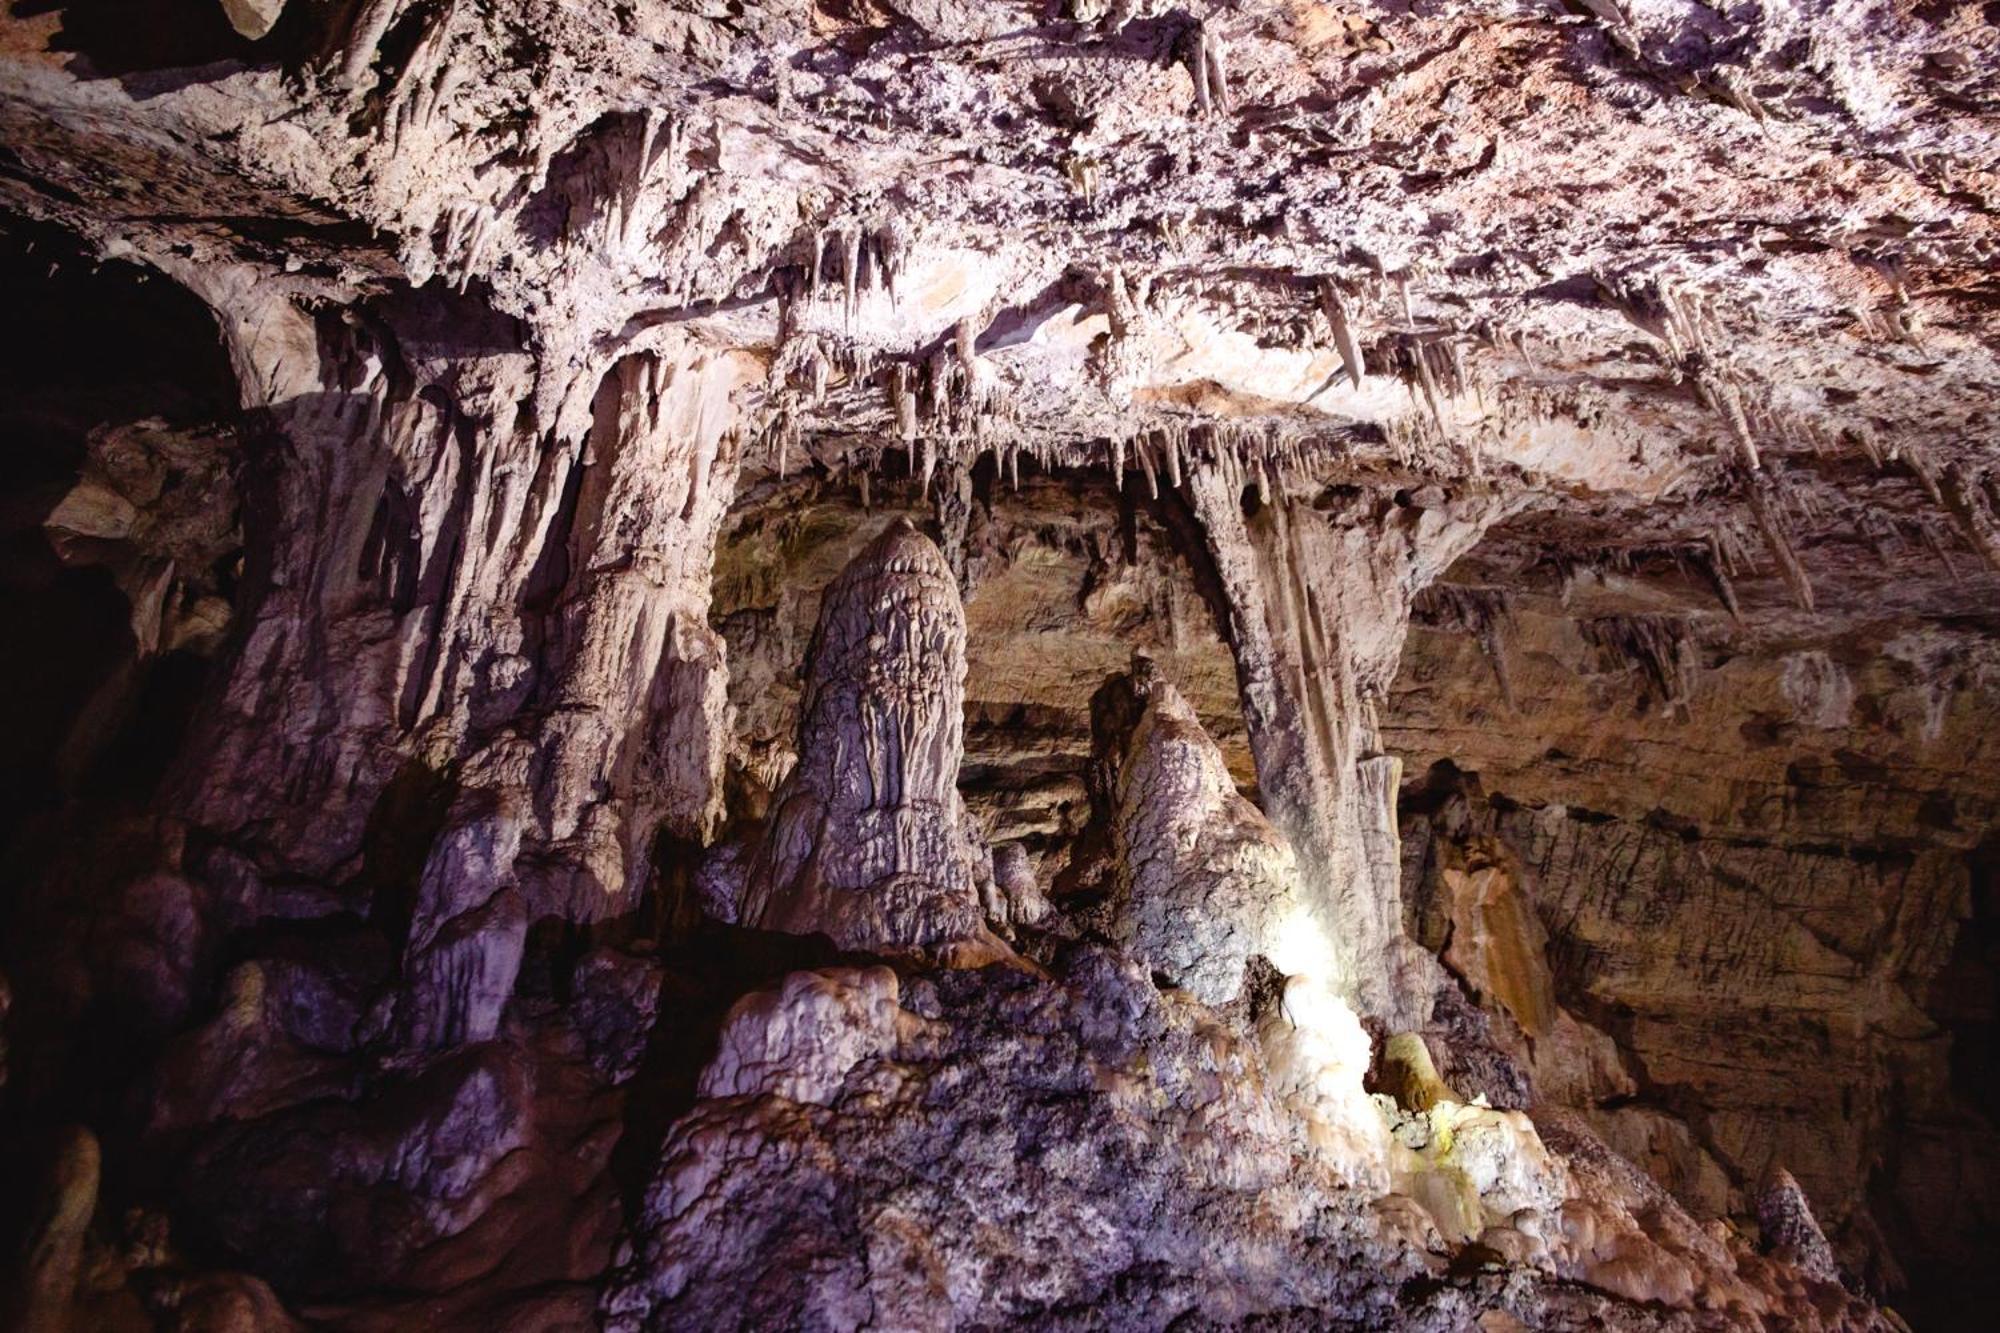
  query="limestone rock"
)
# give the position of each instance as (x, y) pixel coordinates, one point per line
(1552, 454)
(1044, 1159)
(868, 840)
(1790, 1229)
(465, 940)
(253, 18)
(1208, 883)
(615, 1002)
(1408, 1074)
(45, 1273)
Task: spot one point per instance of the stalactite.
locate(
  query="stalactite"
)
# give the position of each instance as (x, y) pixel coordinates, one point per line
(1710, 559)
(1335, 306)
(1965, 498)
(850, 272)
(365, 38)
(1202, 50)
(903, 400)
(1937, 547)
(427, 80)
(1730, 402)
(1924, 471)
(1661, 647)
(891, 254)
(1765, 506)
(1086, 175)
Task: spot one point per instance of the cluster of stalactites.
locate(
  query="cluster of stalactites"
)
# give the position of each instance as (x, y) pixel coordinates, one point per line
(1663, 648)
(1700, 346)
(843, 263)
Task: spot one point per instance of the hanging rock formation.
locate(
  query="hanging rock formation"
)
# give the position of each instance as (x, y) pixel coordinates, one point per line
(1317, 602)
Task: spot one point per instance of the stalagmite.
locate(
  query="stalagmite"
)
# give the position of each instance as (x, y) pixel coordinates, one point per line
(1207, 883)
(869, 842)
(1791, 1230)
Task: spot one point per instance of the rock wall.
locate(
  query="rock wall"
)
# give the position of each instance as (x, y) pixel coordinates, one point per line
(1744, 970)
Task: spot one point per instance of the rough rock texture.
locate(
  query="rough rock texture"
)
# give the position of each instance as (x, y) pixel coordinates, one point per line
(474, 859)
(1756, 963)
(1208, 883)
(991, 1148)
(869, 842)
(1318, 599)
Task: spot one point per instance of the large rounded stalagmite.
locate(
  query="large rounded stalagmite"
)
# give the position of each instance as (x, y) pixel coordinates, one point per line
(869, 842)
(1208, 883)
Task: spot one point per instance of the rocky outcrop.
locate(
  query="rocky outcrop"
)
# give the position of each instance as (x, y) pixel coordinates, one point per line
(986, 1147)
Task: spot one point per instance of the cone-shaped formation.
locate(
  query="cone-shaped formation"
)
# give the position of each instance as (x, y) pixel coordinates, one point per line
(1210, 883)
(1791, 1231)
(869, 842)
